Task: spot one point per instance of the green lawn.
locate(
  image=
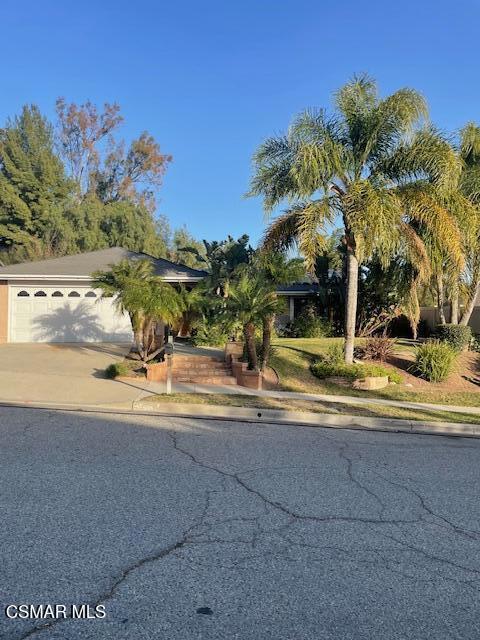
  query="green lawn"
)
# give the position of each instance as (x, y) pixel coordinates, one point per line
(292, 360)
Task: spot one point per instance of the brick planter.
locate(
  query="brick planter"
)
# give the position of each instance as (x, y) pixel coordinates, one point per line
(233, 350)
(245, 377)
(250, 379)
(157, 372)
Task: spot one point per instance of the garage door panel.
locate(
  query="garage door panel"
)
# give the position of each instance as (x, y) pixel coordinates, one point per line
(65, 319)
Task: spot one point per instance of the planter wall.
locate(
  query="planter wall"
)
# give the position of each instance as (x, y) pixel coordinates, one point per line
(157, 372)
(245, 377)
(233, 350)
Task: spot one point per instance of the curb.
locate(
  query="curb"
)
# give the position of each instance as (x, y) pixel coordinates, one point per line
(300, 418)
(264, 416)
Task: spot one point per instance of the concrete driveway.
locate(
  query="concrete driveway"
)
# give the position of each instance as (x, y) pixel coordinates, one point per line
(62, 373)
(185, 529)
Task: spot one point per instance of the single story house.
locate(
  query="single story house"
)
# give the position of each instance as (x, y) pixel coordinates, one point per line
(297, 296)
(53, 300)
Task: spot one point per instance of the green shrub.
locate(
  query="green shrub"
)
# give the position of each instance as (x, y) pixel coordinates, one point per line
(353, 371)
(310, 325)
(434, 360)
(116, 369)
(206, 334)
(475, 343)
(455, 335)
(334, 353)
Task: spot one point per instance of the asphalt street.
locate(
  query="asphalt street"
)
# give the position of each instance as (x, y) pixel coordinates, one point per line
(194, 529)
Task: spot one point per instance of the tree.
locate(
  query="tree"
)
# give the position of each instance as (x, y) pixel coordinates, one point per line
(187, 250)
(469, 282)
(274, 269)
(250, 301)
(80, 130)
(359, 164)
(131, 174)
(144, 296)
(102, 165)
(33, 187)
(221, 259)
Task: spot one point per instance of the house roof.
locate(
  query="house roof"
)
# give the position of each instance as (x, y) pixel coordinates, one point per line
(82, 265)
(299, 288)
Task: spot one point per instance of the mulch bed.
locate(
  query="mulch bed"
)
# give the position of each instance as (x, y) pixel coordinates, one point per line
(468, 365)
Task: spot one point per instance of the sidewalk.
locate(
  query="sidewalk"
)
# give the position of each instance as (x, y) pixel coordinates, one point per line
(159, 388)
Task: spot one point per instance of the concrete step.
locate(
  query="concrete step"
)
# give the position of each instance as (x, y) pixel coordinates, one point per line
(188, 358)
(205, 371)
(198, 366)
(212, 379)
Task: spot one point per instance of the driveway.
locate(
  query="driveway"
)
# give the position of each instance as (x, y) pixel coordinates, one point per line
(62, 373)
(185, 529)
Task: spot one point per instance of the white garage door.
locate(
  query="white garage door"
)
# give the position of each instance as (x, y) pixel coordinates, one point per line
(64, 314)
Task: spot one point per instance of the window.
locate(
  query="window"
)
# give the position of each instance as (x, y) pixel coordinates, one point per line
(40, 294)
(57, 294)
(74, 294)
(23, 294)
(90, 294)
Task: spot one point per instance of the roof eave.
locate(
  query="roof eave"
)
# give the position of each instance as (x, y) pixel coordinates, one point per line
(32, 276)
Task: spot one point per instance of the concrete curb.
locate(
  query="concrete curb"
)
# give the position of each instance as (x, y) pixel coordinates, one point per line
(301, 418)
(265, 416)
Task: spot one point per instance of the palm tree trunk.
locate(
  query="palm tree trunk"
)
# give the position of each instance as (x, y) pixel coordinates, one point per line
(351, 303)
(467, 314)
(440, 298)
(454, 308)
(266, 340)
(249, 333)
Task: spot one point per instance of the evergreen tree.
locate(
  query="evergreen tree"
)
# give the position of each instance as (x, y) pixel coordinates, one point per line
(33, 185)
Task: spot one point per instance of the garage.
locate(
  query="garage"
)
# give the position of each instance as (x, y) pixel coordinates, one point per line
(64, 314)
(54, 301)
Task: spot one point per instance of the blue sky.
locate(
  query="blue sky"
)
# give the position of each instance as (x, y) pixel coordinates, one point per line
(211, 80)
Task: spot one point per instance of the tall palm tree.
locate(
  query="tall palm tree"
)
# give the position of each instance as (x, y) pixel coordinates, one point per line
(469, 150)
(357, 164)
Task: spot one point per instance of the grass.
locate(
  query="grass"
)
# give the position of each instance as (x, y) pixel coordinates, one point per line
(256, 402)
(293, 357)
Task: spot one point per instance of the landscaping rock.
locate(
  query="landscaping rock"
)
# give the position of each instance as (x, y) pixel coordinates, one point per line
(370, 383)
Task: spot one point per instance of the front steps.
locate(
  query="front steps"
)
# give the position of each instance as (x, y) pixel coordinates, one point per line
(201, 370)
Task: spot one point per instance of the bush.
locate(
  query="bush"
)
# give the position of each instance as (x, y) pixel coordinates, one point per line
(380, 348)
(353, 371)
(455, 335)
(334, 353)
(116, 369)
(208, 333)
(310, 325)
(434, 360)
(475, 343)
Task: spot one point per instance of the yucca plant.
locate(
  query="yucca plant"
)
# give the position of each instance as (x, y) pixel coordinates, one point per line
(358, 164)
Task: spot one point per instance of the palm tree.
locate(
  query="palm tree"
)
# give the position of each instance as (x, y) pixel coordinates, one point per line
(469, 150)
(114, 283)
(357, 164)
(250, 301)
(274, 269)
(144, 296)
